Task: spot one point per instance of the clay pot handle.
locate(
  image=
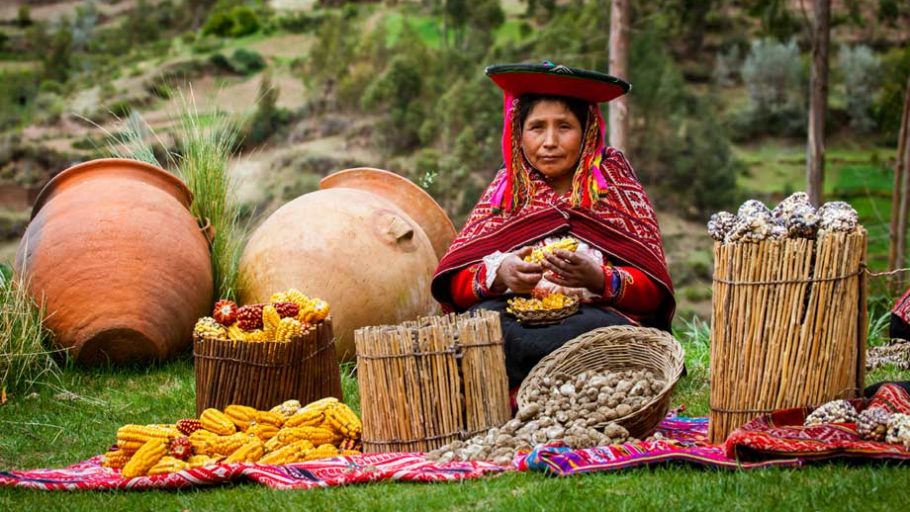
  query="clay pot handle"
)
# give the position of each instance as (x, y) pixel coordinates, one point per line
(400, 230)
(207, 229)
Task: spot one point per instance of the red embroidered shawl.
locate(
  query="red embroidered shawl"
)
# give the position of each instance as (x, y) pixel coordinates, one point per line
(621, 223)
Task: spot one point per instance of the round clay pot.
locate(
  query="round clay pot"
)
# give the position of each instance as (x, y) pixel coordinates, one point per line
(419, 205)
(119, 260)
(357, 249)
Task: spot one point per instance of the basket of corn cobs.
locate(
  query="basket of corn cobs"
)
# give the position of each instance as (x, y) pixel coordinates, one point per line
(285, 434)
(621, 374)
(549, 309)
(261, 354)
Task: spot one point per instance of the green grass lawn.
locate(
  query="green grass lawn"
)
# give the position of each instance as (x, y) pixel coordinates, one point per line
(70, 420)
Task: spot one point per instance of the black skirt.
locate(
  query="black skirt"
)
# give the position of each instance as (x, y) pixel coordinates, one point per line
(525, 346)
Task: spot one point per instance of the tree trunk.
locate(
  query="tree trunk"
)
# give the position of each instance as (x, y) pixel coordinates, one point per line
(899, 199)
(818, 102)
(619, 67)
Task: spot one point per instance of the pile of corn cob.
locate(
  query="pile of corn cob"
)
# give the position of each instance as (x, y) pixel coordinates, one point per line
(287, 433)
(287, 316)
(548, 302)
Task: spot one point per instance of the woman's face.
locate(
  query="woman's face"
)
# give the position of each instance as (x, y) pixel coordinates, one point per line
(551, 139)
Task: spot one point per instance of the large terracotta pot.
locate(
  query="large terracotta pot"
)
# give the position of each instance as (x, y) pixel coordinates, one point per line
(361, 243)
(121, 263)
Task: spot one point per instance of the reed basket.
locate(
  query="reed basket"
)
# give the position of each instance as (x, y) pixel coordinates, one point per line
(545, 316)
(264, 374)
(788, 326)
(426, 383)
(617, 348)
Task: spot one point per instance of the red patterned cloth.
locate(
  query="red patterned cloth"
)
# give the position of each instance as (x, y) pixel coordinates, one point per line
(404, 467)
(902, 307)
(683, 440)
(782, 434)
(621, 224)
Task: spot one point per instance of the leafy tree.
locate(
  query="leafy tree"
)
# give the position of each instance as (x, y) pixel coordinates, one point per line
(24, 16)
(394, 92)
(888, 107)
(57, 57)
(861, 73)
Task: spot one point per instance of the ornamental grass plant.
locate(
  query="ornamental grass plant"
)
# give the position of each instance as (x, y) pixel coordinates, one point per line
(24, 356)
(204, 147)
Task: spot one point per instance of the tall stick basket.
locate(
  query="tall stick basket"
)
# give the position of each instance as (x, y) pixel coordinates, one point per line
(788, 326)
(424, 384)
(264, 374)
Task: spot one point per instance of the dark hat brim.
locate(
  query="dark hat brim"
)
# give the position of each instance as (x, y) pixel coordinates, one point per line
(519, 79)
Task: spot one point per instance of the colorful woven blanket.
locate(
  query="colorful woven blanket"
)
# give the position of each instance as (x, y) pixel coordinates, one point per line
(405, 467)
(777, 439)
(782, 434)
(677, 439)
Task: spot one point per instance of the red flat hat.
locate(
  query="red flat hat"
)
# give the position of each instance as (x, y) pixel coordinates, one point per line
(552, 79)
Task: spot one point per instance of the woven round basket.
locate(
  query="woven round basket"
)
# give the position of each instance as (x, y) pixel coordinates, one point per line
(546, 316)
(617, 348)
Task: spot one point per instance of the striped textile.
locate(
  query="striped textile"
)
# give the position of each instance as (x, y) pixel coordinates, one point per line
(782, 433)
(404, 467)
(682, 440)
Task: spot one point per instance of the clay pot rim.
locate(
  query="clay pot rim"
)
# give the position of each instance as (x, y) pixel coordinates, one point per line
(348, 178)
(185, 196)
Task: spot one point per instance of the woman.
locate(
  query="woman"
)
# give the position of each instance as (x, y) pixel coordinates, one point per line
(559, 180)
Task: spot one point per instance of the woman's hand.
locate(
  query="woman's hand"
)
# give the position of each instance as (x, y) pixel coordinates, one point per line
(516, 274)
(574, 270)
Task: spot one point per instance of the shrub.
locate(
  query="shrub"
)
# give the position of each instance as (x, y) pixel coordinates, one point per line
(246, 21)
(24, 356)
(775, 82)
(888, 107)
(726, 67)
(247, 62)
(239, 21)
(773, 75)
(860, 71)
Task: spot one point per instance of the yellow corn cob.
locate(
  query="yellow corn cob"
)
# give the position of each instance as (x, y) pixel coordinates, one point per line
(269, 418)
(146, 457)
(168, 465)
(287, 408)
(255, 336)
(210, 328)
(567, 244)
(270, 319)
(234, 332)
(224, 445)
(279, 297)
(288, 329)
(141, 433)
(216, 421)
(294, 295)
(306, 418)
(197, 461)
(115, 459)
(240, 415)
(344, 421)
(321, 405)
(316, 435)
(250, 452)
(288, 454)
(263, 431)
(274, 444)
(322, 452)
(130, 447)
(349, 453)
(320, 310)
